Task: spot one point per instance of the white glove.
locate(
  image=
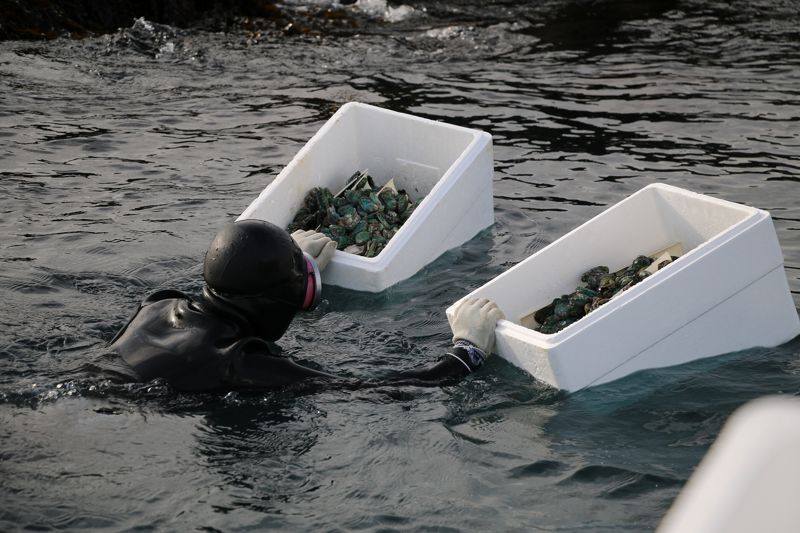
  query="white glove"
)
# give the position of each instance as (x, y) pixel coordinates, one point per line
(316, 245)
(475, 320)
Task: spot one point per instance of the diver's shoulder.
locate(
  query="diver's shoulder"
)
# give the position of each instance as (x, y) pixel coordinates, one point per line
(165, 294)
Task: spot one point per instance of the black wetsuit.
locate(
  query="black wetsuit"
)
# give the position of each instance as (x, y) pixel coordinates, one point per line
(202, 345)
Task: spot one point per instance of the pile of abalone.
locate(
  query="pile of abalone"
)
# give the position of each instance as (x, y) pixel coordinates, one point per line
(601, 286)
(361, 218)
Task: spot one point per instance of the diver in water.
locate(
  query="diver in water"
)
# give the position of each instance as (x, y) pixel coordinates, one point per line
(257, 278)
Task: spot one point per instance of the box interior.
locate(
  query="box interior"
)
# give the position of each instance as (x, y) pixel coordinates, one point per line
(648, 221)
(415, 152)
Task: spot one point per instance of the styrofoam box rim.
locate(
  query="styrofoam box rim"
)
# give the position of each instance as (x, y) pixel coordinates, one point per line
(549, 341)
(448, 179)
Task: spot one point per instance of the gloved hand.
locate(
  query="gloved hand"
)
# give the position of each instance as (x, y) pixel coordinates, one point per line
(317, 245)
(474, 322)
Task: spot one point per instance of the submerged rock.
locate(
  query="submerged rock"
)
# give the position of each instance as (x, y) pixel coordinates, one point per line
(254, 19)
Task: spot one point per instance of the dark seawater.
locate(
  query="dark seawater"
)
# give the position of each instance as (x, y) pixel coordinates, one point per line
(121, 155)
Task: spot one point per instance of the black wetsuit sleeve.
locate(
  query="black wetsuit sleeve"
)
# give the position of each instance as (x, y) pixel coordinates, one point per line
(254, 367)
(454, 365)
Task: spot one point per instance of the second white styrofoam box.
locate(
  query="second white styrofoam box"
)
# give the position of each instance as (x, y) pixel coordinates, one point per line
(728, 292)
(446, 170)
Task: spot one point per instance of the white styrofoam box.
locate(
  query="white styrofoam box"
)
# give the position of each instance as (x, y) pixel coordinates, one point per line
(728, 292)
(749, 479)
(450, 166)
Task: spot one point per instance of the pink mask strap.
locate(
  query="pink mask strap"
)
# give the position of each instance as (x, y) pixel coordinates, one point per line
(310, 288)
